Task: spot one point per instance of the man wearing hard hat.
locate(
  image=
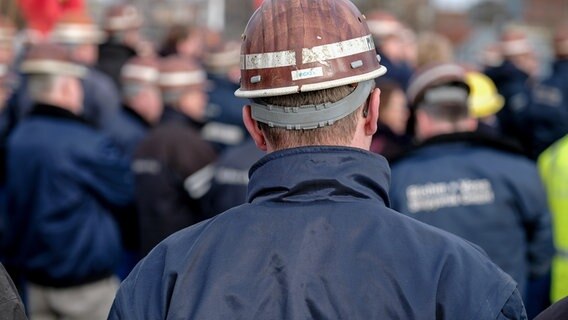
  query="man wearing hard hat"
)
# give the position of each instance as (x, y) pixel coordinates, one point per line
(316, 239)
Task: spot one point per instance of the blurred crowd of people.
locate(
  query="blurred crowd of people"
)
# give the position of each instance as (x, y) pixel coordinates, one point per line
(110, 143)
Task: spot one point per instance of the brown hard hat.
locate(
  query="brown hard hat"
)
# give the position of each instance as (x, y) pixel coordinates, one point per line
(121, 18)
(434, 76)
(514, 41)
(292, 46)
(7, 29)
(46, 58)
(76, 27)
(140, 70)
(177, 73)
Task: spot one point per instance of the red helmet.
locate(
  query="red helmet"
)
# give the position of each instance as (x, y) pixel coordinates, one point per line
(303, 45)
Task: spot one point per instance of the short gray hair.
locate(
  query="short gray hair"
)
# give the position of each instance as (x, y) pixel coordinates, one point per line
(41, 85)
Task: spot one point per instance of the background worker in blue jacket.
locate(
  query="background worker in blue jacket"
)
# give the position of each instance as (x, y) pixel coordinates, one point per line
(315, 239)
(64, 180)
(470, 184)
(549, 111)
(514, 78)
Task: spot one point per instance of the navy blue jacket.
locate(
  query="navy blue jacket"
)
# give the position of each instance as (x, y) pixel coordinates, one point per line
(514, 118)
(397, 72)
(549, 112)
(316, 240)
(135, 131)
(464, 184)
(224, 126)
(230, 178)
(64, 180)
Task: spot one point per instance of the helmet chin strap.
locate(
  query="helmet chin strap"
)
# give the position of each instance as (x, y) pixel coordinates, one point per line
(311, 116)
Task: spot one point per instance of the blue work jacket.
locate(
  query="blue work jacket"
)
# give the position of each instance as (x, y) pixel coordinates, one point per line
(316, 240)
(549, 111)
(64, 181)
(478, 189)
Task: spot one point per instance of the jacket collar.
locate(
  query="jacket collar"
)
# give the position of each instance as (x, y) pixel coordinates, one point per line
(560, 65)
(466, 140)
(136, 116)
(327, 173)
(47, 110)
(172, 115)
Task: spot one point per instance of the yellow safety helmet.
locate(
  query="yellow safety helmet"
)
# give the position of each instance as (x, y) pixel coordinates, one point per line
(484, 100)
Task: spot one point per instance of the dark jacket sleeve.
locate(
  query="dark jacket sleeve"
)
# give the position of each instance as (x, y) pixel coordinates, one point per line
(105, 170)
(147, 291)
(513, 308)
(11, 307)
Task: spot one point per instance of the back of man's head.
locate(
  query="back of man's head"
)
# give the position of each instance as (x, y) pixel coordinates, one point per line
(308, 68)
(53, 76)
(438, 95)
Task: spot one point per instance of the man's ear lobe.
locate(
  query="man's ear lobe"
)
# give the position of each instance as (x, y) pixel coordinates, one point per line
(253, 128)
(372, 111)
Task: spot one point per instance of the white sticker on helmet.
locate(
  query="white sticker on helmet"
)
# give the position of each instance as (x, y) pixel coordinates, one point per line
(307, 73)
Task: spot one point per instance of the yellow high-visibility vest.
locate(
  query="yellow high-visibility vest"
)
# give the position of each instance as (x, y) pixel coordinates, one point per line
(553, 167)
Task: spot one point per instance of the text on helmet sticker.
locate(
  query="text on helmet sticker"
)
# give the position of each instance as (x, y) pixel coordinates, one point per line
(307, 73)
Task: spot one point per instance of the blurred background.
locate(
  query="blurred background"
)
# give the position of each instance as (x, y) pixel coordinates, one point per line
(469, 24)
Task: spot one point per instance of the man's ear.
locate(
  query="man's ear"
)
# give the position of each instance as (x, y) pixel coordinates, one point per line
(254, 129)
(372, 112)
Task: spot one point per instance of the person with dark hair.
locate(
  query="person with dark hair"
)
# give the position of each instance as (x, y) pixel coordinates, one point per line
(122, 23)
(391, 139)
(470, 184)
(184, 40)
(316, 238)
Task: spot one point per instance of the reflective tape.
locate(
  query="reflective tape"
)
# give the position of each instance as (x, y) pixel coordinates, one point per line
(268, 60)
(175, 79)
(77, 33)
(338, 50)
(319, 54)
(53, 67)
(142, 73)
(199, 182)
